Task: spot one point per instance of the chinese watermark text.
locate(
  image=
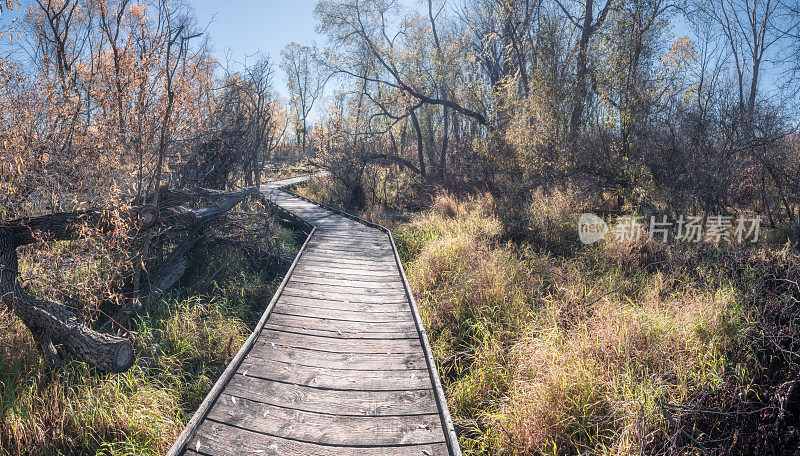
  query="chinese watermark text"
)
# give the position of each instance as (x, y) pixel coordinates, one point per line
(714, 229)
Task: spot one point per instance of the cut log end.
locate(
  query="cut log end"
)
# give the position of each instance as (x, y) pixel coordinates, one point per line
(147, 217)
(123, 357)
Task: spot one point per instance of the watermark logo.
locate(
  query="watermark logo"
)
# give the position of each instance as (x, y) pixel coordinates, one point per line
(591, 228)
(713, 229)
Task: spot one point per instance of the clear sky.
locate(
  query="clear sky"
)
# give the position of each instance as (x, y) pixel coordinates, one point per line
(248, 27)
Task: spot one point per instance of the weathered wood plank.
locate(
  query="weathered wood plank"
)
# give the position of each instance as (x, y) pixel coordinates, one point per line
(288, 304)
(377, 307)
(344, 225)
(356, 403)
(340, 315)
(366, 251)
(343, 334)
(343, 291)
(336, 258)
(351, 254)
(344, 361)
(373, 290)
(333, 272)
(218, 439)
(375, 263)
(339, 239)
(353, 245)
(341, 261)
(371, 327)
(337, 242)
(302, 292)
(345, 379)
(326, 429)
(350, 243)
(383, 270)
(333, 321)
(388, 346)
(333, 279)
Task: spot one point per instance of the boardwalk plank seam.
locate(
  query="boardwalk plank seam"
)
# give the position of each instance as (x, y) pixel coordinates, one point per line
(267, 358)
(340, 337)
(399, 445)
(331, 388)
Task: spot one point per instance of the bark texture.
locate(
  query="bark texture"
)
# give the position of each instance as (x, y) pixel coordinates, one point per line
(51, 323)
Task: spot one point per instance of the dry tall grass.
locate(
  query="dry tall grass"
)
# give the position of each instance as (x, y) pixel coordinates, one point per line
(573, 350)
(182, 343)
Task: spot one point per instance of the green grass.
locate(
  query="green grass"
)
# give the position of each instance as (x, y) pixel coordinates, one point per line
(549, 347)
(182, 344)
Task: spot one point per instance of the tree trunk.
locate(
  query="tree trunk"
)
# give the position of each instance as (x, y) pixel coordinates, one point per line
(445, 139)
(420, 147)
(751, 101)
(50, 322)
(162, 150)
(304, 136)
(581, 71)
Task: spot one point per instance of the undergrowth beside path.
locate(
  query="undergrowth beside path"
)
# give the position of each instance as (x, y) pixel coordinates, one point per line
(553, 348)
(182, 344)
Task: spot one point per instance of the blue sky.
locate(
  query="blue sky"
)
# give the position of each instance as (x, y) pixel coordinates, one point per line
(249, 27)
(241, 29)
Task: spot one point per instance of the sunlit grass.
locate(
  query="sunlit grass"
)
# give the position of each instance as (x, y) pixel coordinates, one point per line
(545, 353)
(182, 342)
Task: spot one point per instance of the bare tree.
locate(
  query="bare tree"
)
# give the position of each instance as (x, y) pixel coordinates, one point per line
(360, 26)
(588, 26)
(111, 24)
(178, 29)
(264, 117)
(306, 84)
(751, 31)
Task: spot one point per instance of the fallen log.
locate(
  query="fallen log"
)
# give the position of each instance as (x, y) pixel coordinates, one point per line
(63, 226)
(174, 266)
(51, 323)
(54, 326)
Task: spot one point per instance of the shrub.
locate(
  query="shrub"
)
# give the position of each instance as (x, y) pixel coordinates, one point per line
(445, 204)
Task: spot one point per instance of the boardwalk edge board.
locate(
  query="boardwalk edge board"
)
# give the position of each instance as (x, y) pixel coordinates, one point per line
(441, 401)
(211, 398)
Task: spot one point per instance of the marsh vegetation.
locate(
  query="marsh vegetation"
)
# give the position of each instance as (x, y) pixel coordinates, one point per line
(478, 131)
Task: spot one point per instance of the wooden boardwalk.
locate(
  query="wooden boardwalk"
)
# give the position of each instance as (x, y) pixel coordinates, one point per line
(339, 363)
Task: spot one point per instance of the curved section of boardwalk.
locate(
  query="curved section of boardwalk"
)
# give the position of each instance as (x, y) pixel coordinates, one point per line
(339, 365)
